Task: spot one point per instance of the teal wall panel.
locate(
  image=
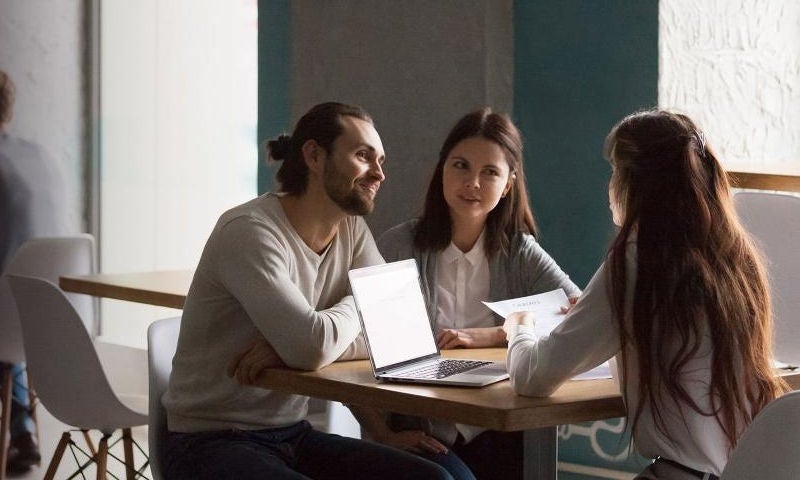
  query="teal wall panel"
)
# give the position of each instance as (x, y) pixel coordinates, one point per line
(580, 66)
(274, 22)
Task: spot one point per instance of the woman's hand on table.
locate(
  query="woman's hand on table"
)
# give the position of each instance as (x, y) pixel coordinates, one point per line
(248, 364)
(484, 337)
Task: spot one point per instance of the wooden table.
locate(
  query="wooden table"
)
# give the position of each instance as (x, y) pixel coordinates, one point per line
(166, 288)
(495, 407)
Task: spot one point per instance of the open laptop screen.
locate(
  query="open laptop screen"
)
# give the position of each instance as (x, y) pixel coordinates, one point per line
(393, 312)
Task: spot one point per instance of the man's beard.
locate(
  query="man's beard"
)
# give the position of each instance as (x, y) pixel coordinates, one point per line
(338, 187)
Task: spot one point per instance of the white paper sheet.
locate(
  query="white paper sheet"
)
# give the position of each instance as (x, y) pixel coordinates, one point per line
(547, 316)
(545, 306)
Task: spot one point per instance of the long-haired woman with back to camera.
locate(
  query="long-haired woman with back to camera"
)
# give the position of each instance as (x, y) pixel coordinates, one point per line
(474, 241)
(682, 300)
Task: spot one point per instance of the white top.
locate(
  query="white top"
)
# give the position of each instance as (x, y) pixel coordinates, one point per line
(462, 281)
(526, 269)
(589, 336)
(257, 276)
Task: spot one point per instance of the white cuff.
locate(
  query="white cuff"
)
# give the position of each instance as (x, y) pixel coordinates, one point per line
(513, 330)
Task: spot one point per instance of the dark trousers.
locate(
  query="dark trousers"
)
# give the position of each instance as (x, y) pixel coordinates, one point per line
(493, 455)
(489, 456)
(293, 452)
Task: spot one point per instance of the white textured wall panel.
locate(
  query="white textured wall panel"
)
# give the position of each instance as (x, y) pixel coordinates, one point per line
(734, 67)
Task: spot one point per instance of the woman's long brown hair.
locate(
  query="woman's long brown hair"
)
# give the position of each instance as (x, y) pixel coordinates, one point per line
(511, 215)
(697, 273)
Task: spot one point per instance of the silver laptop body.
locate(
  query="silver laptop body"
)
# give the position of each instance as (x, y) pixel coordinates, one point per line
(399, 334)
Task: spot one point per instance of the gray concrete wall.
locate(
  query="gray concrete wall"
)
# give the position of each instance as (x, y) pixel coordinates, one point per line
(415, 65)
(41, 48)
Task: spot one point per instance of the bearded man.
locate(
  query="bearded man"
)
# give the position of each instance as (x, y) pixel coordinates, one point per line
(270, 289)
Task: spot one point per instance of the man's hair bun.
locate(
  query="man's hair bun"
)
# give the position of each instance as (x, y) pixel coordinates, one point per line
(279, 147)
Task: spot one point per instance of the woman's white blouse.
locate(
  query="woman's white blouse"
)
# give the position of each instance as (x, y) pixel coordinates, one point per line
(462, 281)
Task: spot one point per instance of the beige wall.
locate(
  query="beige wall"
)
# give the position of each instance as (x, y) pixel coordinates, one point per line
(415, 65)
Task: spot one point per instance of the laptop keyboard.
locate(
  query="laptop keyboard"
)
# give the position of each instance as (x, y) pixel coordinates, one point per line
(442, 369)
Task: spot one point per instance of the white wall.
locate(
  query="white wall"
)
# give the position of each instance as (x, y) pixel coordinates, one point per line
(734, 66)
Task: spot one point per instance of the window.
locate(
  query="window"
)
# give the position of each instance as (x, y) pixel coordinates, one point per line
(178, 136)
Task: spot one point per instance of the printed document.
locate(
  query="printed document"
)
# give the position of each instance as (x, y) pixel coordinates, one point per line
(547, 316)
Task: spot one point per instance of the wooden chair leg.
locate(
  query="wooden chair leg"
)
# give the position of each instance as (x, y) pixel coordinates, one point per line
(127, 443)
(89, 442)
(5, 420)
(102, 458)
(62, 445)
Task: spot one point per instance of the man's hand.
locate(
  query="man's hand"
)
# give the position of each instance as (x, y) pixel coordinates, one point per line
(415, 441)
(246, 365)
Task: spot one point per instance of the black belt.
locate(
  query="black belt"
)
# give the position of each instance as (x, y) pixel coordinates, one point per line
(691, 471)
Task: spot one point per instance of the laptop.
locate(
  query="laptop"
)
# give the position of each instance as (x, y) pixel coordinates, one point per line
(399, 336)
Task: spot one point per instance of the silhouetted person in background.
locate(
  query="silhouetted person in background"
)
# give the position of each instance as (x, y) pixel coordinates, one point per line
(33, 203)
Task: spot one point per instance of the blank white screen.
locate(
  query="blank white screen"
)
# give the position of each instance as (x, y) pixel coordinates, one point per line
(393, 312)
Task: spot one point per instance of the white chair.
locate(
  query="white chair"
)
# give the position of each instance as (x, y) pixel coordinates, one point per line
(44, 258)
(70, 381)
(774, 220)
(768, 448)
(162, 340)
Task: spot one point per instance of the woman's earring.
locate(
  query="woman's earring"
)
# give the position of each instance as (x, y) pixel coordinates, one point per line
(509, 186)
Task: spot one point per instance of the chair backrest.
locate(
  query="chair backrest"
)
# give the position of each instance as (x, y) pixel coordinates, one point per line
(47, 258)
(774, 220)
(62, 361)
(768, 448)
(162, 340)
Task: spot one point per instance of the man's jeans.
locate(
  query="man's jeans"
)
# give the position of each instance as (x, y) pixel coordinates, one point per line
(21, 421)
(293, 452)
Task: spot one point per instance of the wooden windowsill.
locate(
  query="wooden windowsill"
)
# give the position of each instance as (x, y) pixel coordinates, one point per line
(765, 181)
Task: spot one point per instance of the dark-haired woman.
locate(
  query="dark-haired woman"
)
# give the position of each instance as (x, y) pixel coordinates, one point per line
(681, 300)
(475, 241)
